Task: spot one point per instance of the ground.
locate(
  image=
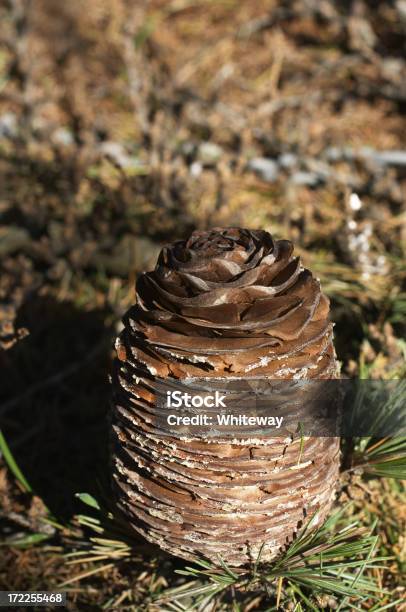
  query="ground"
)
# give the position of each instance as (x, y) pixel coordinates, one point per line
(124, 125)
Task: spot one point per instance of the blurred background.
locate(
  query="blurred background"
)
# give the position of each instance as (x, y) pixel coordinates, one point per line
(127, 124)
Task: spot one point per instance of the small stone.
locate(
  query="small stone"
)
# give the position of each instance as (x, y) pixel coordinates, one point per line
(8, 125)
(63, 136)
(401, 8)
(355, 202)
(196, 169)
(267, 169)
(288, 160)
(309, 179)
(333, 154)
(393, 68)
(209, 153)
(391, 158)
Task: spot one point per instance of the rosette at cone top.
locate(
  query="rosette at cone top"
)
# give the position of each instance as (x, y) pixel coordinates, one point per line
(227, 303)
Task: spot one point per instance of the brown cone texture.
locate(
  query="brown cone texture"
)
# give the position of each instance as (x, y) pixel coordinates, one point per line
(227, 303)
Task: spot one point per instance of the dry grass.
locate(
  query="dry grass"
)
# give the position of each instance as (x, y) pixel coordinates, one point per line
(124, 125)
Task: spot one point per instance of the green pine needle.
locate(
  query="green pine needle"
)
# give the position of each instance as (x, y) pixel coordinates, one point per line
(384, 457)
(333, 558)
(12, 464)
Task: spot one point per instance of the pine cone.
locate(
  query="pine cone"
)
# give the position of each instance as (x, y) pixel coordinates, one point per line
(227, 304)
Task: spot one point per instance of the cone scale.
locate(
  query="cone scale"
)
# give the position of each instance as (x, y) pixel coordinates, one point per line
(226, 304)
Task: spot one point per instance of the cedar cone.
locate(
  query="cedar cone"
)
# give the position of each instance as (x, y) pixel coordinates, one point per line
(226, 303)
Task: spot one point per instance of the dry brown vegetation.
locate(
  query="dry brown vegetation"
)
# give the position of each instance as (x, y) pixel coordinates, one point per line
(127, 124)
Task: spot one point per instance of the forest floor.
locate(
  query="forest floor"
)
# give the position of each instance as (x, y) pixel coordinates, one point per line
(125, 125)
